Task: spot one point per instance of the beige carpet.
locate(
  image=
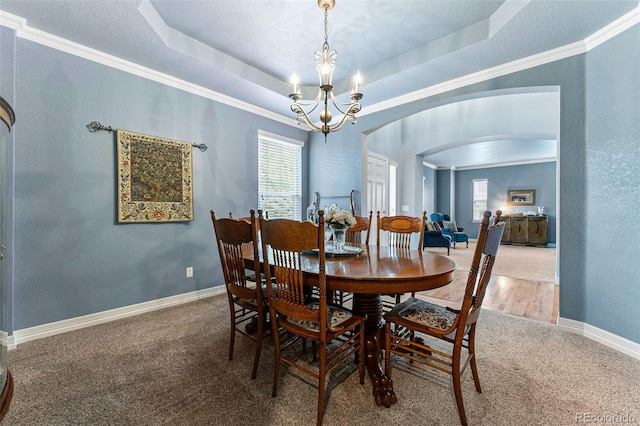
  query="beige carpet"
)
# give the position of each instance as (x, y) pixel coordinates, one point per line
(170, 367)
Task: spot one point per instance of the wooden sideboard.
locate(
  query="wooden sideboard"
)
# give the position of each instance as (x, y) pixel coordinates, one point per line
(530, 230)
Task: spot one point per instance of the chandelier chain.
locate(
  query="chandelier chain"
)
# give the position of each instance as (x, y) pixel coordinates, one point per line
(326, 25)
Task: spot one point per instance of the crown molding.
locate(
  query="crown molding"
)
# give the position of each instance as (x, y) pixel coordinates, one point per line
(23, 31)
(490, 166)
(580, 47)
(612, 30)
(615, 28)
(480, 76)
(512, 163)
(429, 165)
(12, 21)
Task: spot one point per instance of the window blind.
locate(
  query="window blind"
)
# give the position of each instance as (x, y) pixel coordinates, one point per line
(479, 198)
(279, 176)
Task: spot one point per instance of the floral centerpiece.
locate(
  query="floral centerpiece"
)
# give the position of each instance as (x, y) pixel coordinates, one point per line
(339, 217)
(338, 221)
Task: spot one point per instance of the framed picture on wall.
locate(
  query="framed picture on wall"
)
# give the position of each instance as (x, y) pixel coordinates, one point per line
(521, 197)
(154, 179)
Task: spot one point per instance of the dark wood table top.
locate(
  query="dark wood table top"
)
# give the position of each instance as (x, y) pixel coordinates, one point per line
(383, 270)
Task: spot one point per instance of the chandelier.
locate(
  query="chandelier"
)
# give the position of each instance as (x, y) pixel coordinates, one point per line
(325, 67)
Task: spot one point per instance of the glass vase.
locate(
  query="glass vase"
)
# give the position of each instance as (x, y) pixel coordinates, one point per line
(339, 232)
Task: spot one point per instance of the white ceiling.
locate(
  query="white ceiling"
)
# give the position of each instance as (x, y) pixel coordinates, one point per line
(485, 153)
(498, 127)
(248, 50)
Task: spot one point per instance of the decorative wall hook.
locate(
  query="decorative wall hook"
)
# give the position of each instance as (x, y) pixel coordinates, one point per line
(94, 126)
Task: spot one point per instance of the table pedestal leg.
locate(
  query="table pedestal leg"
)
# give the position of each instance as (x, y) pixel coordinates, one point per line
(371, 305)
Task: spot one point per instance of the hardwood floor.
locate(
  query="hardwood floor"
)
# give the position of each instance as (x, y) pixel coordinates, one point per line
(522, 283)
(530, 299)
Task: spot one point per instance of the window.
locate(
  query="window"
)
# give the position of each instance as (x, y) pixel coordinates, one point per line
(393, 167)
(279, 176)
(479, 198)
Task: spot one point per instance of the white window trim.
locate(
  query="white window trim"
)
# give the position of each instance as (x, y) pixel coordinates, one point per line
(473, 198)
(277, 139)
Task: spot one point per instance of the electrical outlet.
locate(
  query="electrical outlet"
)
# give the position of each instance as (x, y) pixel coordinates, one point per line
(189, 271)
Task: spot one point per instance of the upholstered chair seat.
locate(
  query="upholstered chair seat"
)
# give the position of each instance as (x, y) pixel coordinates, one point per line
(428, 314)
(335, 317)
(413, 326)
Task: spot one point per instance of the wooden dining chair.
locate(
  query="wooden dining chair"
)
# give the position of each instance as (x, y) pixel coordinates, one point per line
(456, 327)
(353, 237)
(292, 311)
(399, 231)
(247, 301)
(248, 218)
(354, 233)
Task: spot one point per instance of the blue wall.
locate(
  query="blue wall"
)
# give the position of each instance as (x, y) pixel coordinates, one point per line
(611, 289)
(540, 177)
(385, 141)
(335, 167)
(583, 194)
(70, 256)
(429, 198)
(443, 190)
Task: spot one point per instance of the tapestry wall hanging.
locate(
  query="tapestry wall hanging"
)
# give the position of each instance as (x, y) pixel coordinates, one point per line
(154, 179)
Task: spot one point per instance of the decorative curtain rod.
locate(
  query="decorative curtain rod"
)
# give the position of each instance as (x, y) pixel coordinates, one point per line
(95, 126)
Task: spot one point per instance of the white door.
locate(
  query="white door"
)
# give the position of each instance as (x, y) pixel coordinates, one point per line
(377, 181)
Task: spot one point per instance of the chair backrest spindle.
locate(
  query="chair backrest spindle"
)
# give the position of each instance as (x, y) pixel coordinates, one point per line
(235, 238)
(482, 265)
(353, 235)
(285, 241)
(237, 242)
(400, 229)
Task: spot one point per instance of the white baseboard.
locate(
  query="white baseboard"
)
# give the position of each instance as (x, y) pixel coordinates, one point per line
(611, 340)
(21, 336)
(51, 329)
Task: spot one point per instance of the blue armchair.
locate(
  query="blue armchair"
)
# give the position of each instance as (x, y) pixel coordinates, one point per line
(436, 238)
(449, 228)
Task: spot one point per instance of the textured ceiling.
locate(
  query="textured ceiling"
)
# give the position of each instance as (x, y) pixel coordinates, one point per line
(248, 49)
(485, 153)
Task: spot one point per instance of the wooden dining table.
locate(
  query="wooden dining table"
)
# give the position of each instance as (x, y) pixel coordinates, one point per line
(374, 272)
